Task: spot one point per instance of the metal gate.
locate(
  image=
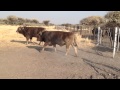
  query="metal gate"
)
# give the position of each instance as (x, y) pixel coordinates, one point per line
(115, 42)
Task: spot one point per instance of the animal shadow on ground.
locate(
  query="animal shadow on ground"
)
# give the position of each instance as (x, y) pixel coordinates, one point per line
(102, 49)
(23, 42)
(104, 70)
(40, 48)
(49, 49)
(63, 52)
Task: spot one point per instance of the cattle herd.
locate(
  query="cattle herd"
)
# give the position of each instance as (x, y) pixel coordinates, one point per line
(51, 38)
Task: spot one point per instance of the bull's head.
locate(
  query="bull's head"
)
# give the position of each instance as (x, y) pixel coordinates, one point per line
(19, 30)
(39, 36)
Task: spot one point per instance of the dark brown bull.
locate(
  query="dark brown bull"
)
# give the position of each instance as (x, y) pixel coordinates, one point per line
(29, 32)
(52, 38)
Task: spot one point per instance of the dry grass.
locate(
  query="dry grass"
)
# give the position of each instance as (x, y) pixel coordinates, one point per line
(8, 34)
(83, 43)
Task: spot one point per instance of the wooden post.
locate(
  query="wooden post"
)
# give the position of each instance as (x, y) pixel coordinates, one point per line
(115, 42)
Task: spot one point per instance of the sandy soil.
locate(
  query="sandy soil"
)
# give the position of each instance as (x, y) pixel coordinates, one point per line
(20, 61)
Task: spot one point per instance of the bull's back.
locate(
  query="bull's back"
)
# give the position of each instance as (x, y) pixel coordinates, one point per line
(57, 37)
(57, 34)
(34, 31)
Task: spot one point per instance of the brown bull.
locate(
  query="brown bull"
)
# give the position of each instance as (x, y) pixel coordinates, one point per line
(29, 32)
(52, 38)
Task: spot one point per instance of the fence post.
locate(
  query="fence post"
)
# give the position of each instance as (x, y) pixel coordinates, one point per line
(98, 36)
(115, 41)
(111, 41)
(118, 40)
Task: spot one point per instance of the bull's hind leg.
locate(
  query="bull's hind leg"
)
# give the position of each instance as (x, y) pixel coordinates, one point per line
(75, 48)
(67, 49)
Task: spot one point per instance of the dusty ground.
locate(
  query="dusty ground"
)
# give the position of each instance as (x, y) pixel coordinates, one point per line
(20, 61)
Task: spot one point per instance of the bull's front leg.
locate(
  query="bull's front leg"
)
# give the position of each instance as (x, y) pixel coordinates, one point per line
(31, 40)
(39, 43)
(45, 44)
(27, 40)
